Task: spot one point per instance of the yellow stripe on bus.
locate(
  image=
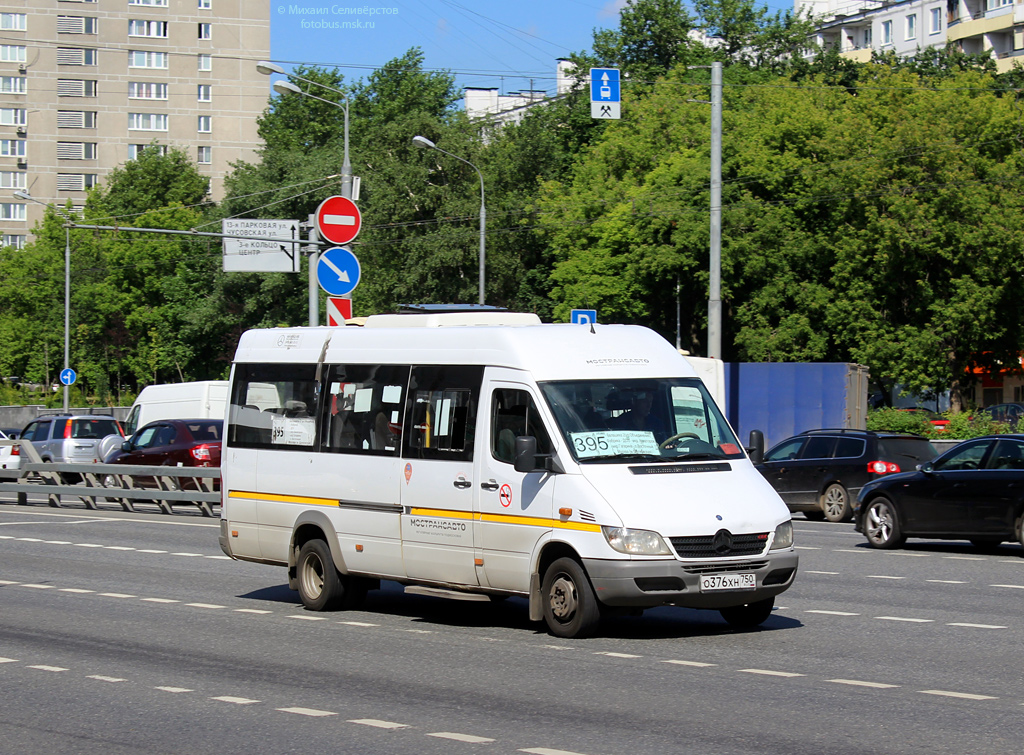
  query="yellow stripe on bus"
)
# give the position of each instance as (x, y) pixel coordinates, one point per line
(443, 513)
(283, 498)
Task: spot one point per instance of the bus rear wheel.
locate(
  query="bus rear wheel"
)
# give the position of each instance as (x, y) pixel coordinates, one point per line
(320, 585)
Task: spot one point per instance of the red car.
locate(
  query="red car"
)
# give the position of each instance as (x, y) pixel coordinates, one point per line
(173, 443)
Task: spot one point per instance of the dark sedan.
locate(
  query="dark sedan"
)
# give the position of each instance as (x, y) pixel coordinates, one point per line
(173, 442)
(974, 491)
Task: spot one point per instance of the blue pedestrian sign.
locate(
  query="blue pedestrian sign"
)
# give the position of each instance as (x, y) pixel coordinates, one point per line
(337, 271)
(68, 376)
(583, 316)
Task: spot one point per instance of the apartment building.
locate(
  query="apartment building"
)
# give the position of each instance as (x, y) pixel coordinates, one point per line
(86, 84)
(857, 27)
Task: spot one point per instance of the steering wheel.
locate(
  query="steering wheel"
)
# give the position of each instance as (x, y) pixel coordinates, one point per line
(665, 443)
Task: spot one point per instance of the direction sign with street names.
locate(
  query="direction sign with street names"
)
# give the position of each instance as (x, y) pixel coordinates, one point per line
(605, 94)
(338, 220)
(260, 256)
(337, 271)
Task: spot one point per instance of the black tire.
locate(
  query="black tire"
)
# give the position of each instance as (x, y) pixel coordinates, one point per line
(748, 615)
(987, 545)
(320, 586)
(835, 503)
(815, 516)
(570, 606)
(881, 526)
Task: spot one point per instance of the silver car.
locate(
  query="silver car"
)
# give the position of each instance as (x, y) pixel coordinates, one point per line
(70, 439)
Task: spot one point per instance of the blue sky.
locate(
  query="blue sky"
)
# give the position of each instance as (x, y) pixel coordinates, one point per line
(507, 44)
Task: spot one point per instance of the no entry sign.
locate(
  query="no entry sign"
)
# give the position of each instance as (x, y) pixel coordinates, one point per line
(338, 220)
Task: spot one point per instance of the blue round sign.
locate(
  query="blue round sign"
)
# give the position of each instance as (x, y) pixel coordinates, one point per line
(68, 376)
(337, 271)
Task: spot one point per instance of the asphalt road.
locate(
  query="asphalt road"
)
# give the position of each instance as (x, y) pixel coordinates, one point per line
(132, 633)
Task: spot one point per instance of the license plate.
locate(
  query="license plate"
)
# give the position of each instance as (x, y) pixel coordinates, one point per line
(714, 582)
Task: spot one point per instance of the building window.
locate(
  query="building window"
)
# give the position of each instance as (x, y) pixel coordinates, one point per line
(12, 148)
(147, 59)
(15, 240)
(13, 53)
(205, 31)
(134, 150)
(12, 179)
(75, 181)
(12, 211)
(867, 38)
(204, 155)
(205, 93)
(205, 4)
(76, 87)
(13, 116)
(76, 119)
(147, 121)
(13, 21)
(143, 28)
(205, 124)
(155, 3)
(146, 90)
(887, 32)
(936, 21)
(13, 84)
(994, 4)
(76, 56)
(76, 150)
(76, 25)
(912, 26)
(205, 62)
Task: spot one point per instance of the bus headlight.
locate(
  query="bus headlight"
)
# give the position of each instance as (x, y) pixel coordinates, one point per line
(636, 542)
(783, 536)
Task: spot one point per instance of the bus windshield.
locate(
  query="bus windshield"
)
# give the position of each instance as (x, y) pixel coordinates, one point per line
(649, 419)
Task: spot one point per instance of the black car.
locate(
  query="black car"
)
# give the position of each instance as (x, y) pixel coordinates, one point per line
(818, 471)
(974, 491)
(1009, 413)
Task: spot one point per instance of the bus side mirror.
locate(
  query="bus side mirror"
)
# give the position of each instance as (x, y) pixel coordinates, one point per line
(756, 447)
(525, 454)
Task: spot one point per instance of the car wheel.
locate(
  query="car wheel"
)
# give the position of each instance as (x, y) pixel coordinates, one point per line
(570, 606)
(749, 615)
(320, 586)
(881, 527)
(835, 502)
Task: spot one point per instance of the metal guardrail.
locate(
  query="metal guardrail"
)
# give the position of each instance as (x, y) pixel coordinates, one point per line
(165, 486)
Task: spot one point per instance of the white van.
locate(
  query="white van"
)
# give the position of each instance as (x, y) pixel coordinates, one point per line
(485, 455)
(203, 399)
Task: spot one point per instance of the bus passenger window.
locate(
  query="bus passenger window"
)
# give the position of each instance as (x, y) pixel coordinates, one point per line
(363, 409)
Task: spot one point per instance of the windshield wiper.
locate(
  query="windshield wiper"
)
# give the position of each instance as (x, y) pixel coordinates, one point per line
(696, 457)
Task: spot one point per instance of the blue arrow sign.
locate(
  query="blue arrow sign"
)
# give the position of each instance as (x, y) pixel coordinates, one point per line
(604, 85)
(337, 271)
(583, 316)
(68, 376)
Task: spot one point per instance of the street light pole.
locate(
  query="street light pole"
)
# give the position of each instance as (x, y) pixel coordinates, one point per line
(286, 87)
(425, 143)
(67, 286)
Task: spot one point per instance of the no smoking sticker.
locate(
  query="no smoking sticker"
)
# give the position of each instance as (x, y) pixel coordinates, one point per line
(505, 495)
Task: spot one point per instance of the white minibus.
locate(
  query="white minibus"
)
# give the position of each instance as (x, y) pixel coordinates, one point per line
(485, 455)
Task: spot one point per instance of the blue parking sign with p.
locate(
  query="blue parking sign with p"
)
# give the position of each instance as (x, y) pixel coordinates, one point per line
(583, 316)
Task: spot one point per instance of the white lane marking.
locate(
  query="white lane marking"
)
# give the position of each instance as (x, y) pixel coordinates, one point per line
(858, 683)
(75, 590)
(881, 576)
(377, 723)
(947, 581)
(308, 712)
(149, 550)
(909, 554)
(219, 558)
(617, 655)
(832, 613)
(306, 618)
(811, 571)
(961, 695)
(7, 582)
(160, 600)
(903, 618)
(251, 610)
(807, 548)
(768, 672)
(695, 664)
(8, 660)
(460, 737)
(548, 751)
(111, 679)
(235, 700)
(965, 558)
(194, 555)
(558, 647)
(848, 550)
(49, 668)
(10, 537)
(38, 587)
(118, 548)
(175, 690)
(117, 595)
(29, 539)
(975, 626)
(204, 605)
(57, 542)
(359, 623)
(1011, 587)
(88, 545)
(420, 631)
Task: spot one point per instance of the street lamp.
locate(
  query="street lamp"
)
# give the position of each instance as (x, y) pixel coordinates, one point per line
(425, 143)
(67, 284)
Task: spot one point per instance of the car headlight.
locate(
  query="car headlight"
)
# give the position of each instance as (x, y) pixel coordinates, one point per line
(636, 542)
(783, 536)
